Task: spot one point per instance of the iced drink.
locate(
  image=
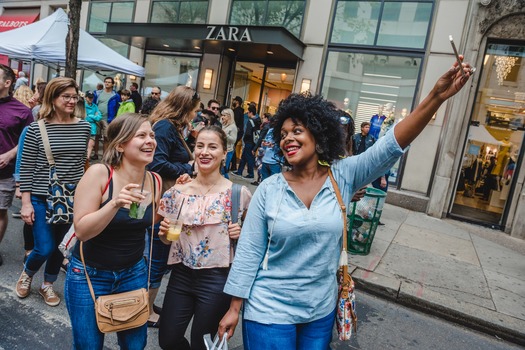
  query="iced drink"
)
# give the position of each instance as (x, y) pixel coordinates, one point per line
(174, 230)
(137, 209)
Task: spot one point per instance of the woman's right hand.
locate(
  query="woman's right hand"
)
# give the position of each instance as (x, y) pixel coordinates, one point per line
(126, 196)
(163, 230)
(27, 213)
(183, 179)
(228, 323)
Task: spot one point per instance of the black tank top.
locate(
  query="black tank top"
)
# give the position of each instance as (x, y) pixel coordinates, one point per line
(121, 244)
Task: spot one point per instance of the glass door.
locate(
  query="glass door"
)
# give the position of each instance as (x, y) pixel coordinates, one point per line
(265, 86)
(495, 138)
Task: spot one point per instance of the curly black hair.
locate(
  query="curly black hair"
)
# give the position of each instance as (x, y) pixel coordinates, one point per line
(320, 117)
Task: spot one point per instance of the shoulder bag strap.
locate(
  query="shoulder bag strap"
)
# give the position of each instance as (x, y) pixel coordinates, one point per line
(236, 202)
(153, 201)
(45, 141)
(343, 259)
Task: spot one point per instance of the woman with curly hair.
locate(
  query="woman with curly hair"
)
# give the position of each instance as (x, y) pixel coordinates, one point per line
(287, 257)
(24, 95)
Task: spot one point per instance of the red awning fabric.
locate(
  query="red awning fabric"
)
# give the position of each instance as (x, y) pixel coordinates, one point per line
(12, 20)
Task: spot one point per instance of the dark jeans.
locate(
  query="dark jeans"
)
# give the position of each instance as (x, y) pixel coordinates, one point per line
(193, 293)
(247, 158)
(377, 183)
(268, 170)
(81, 308)
(47, 238)
(160, 253)
(227, 164)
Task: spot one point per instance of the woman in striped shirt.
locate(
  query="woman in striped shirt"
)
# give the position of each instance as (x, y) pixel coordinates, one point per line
(68, 137)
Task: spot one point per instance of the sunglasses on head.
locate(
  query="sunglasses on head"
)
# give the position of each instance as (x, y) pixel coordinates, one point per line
(344, 120)
(196, 96)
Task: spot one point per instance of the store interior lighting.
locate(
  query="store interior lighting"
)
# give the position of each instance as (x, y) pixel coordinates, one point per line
(208, 76)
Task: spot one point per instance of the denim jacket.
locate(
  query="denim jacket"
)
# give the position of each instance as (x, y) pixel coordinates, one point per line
(356, 139)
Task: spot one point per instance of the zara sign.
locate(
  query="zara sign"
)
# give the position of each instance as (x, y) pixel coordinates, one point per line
(228, 33)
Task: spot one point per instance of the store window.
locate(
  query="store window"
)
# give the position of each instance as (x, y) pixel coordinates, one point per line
(382, 23)
(174, 11)
(168, 72)
(495, 137)
(288, 14)
(366, 85)
(104, 12)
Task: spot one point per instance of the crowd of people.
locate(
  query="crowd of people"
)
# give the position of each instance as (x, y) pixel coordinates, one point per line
(271, 256)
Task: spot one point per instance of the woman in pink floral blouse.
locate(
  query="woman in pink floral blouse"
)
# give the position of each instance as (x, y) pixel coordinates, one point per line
(201, 257)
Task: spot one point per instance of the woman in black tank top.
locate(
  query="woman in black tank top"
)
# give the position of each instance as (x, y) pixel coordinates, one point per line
(113, 241)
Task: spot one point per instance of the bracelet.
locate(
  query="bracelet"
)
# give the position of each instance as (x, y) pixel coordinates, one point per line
(17, 186)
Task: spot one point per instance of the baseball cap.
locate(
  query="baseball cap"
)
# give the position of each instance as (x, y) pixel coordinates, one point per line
(89, 94)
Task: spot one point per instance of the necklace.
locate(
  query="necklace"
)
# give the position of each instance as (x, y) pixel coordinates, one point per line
(209, 189)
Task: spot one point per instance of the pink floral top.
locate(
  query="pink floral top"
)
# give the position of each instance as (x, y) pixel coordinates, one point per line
(204, 241)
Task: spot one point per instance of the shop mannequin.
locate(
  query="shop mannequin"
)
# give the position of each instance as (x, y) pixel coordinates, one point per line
(388, 123)
(376, 121)
(404, 113)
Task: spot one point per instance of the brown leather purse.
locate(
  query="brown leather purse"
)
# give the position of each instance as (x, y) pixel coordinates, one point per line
(122, 311)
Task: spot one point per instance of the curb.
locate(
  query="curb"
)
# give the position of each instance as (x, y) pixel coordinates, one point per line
(409, 294)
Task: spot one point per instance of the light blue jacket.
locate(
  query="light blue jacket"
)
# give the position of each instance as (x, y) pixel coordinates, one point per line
(304, 244)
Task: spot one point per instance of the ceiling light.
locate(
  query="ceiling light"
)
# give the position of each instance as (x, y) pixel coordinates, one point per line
(231, 49)
(269, 52)
(165, 45)
(197, 47)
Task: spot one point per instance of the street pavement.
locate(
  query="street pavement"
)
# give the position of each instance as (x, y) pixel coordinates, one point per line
(460, 272)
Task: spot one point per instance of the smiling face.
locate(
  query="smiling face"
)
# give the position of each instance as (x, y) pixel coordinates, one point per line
(297, 143)
(141, 147)
(209, 151)
(65, 103)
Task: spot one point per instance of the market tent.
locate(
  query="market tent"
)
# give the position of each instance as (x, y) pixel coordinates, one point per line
(45, 42)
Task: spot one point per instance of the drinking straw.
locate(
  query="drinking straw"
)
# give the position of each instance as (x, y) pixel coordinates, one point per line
(180, 209)
(143, 180)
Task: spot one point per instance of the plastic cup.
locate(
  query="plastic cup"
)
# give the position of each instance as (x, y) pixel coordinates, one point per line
(174, 230)
(137, 209)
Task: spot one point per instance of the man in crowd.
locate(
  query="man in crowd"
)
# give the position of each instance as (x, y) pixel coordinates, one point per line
(364, 140)
(214, 105)
(107, 101)
(22, 80)
(152, 101)
(238, 113)
(135, 96)
(248, 154)
(14, 117)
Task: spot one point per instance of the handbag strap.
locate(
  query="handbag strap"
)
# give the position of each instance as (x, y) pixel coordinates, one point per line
(153, 197)
(343, 259)
(45, 141)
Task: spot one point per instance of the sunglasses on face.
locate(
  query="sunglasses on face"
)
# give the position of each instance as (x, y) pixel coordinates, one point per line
(215, 108)
(155, 93)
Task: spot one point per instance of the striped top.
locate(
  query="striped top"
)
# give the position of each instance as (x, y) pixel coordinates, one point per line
(68, 145)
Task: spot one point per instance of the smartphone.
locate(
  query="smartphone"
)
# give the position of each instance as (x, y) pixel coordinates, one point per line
(456, 54)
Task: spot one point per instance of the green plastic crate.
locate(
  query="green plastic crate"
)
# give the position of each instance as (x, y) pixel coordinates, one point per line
(363, 221)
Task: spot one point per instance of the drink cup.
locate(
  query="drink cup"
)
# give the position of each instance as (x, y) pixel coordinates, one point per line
(137, 209)
(174, 229)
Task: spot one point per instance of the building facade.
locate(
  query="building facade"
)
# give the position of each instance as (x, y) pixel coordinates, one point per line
(377, 57)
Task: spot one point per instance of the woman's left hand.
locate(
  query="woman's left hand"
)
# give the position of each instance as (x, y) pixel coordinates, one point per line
(234, 230)
(452, 81)
(183, 179)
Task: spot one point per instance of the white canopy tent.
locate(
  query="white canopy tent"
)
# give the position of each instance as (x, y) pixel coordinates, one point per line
(45, 42)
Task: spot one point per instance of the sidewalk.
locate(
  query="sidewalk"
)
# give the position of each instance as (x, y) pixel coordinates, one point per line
(461, 272)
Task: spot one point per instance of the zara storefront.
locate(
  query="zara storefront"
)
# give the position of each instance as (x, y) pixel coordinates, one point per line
(376, 57)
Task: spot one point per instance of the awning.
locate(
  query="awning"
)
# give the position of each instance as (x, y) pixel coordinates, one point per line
(251, 43)
(12, 19)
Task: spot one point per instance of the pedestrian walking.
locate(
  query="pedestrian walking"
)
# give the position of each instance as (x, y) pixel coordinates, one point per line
(284, 273)
(113, 240)
(68, 138)
(200, 259)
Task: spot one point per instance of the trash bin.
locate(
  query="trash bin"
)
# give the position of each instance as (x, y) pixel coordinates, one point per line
(363, 221)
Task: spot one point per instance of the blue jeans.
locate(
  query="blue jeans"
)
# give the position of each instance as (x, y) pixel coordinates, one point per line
(268, 170)
(247, 158)
(81, 309)
(160, 252)
(227, 163)
(47, 238)
(315, 335)
(193, 293)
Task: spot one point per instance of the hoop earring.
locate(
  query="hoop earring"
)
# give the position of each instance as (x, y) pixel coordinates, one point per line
(318, 149)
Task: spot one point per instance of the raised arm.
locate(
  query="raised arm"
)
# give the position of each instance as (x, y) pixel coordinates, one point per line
(447, 86)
